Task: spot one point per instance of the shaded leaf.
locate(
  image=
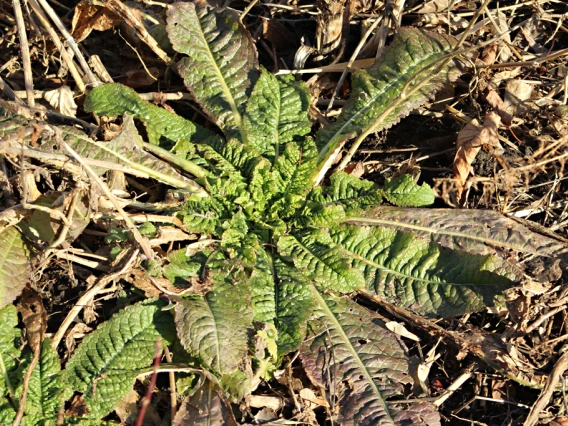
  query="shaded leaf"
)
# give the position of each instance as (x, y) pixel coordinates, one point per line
(15, 265)
(207, 325)
(349, 351)
(106, 363)
(221, 66)
(205, 407)
(413, 51)
(475, 231)
(277, 113)
(422, 276)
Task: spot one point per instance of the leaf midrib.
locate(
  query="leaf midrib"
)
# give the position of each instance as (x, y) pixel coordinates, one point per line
(230, 99)
(351, 348)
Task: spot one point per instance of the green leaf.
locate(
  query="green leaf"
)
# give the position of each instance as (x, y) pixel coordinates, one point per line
(15, 267)
(404, 192)
(45, 395)
(293, 305)
(348, 191)
(422, 276)
(221, 67)
(349, 351)
(106, 363)
(10, 343)
(294, 168)
(213, 328)
(263, 289)
(277, 113)
(476, 231)
(413, 55)
(164, 128)
(321, 260)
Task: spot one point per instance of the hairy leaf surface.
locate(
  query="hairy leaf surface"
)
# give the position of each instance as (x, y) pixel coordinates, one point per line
(213, 327)
(422, 276)
(221, 67)
(413, 51)
(106, 363)
(476, 231)
(349, 351)
(15, 265)
(277, 113)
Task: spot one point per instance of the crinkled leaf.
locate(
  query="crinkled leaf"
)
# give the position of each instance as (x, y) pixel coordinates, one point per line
(322, 260)
(422, 276)
(263, 289)
(277, 113)
(15, 265)
(45, 394)
(349, 351)
(213, 328)
(205, 407)
(106, 363)
(294, 168)
(404, 192)
(10, 343)
(476, 231)
(413, 51)
(293, 307)
(348, 191)
(164, 128)
(221, 66)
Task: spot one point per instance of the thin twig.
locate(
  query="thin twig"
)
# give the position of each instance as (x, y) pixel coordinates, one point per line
(25, 50)
(148, 397)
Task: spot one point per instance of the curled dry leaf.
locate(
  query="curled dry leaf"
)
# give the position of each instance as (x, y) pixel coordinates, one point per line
(470, 140)
(89, 17)
(62, 100)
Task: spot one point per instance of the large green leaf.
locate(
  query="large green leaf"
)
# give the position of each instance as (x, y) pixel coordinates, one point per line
(221, 66)
(404, 192)
(106, 363)
(375, 90)
(476, 231)
(214, 327)
(277, 113)
(10, 343)
(422, 276)
(15, 266)
(322, 260)
(349, 351)
(164, 128)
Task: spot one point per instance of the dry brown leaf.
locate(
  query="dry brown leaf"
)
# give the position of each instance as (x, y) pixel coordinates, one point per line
(62, 100)
(34, 317)
(493, 98)
(89, 17)
(470, 140)
(516, 93)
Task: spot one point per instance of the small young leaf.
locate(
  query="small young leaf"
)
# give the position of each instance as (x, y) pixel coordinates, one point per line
(348, 191)
(14, 264)
(221, 67)
(106, 363)
(366, 364)
(277, 113)
(404, 192)
(422, 276)
(294, 305)
(413, 51)
(213, 328)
